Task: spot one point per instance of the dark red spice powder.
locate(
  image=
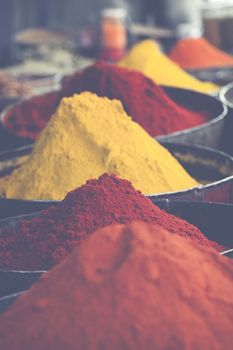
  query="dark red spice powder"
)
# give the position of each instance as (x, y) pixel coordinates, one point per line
(28, 118)
(146, 102)
(44, 241)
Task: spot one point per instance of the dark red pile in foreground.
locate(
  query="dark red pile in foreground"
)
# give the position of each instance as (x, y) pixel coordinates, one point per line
(44, 241)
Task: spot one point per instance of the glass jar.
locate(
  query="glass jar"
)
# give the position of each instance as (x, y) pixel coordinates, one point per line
(113, 33)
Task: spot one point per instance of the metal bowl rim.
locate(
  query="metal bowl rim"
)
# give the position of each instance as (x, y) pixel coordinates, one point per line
(22, 272)
(212, 121)
(225, 89)
(182, 192)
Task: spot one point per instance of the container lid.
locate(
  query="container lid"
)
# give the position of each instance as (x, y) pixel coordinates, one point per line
(117, 13)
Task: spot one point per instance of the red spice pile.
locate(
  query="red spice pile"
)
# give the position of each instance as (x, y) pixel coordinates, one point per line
(28, 118)
(146, 102)
(198, 53)
(44, 241)
(132, 287)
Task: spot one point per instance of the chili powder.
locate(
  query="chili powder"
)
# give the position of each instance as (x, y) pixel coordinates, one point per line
(146, 102)
(131, 287)
(44, 241)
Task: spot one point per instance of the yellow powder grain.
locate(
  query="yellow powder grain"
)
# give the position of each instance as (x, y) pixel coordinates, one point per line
(88, 136)
(147, 58)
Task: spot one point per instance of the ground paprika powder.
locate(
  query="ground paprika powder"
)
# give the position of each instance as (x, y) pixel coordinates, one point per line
(44, 241)
(131, 287)
(198, 53)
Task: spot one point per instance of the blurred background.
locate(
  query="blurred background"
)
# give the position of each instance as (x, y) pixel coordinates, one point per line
(184, 17)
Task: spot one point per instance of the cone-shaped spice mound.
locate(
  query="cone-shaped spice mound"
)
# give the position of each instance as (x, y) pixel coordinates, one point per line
(198, 53)
(131, 287)
(42, 242)
(145, 101)
(147, 58)
(88, 136)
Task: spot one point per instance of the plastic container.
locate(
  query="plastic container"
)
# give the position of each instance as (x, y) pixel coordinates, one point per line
(208, 134)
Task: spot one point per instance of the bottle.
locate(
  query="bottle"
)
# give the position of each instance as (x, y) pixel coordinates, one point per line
(113, 34)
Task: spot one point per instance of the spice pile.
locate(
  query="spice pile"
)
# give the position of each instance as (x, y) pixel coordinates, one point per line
(27, 120)
(145, 101)
(198, 53)
(147, 58)
(44, 241)
(127, 287)
(88, 136)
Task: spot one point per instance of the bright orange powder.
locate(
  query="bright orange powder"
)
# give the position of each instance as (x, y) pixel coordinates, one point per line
(198, 53)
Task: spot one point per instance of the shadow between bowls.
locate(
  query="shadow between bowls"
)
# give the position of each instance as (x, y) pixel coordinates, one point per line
(208, 134)
(213, 219)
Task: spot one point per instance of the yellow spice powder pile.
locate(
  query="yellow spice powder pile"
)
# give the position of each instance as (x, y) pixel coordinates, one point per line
(147, 58)
(88, 136)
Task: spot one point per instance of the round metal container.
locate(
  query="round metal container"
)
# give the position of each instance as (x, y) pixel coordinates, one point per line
(214, 167)
(226, 95)
(214, 220)
(207, 134)
(206, 165)
(220, 76)
(6, 302)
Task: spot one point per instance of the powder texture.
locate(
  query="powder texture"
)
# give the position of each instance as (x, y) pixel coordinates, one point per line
(147, 58)
(44, 241)
(144, 100)
(88, 136)
(198, 53)
(30, 116)
(131, 287)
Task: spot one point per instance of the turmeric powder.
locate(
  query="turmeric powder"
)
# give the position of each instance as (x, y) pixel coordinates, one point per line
(147, 58)
(88, 136)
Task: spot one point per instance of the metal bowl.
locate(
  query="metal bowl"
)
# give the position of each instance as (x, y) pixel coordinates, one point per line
(207, 166)
(220, 75)
(226, 95)
(214, 220)
(207, 134)
(6, 302)
(214, 167)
